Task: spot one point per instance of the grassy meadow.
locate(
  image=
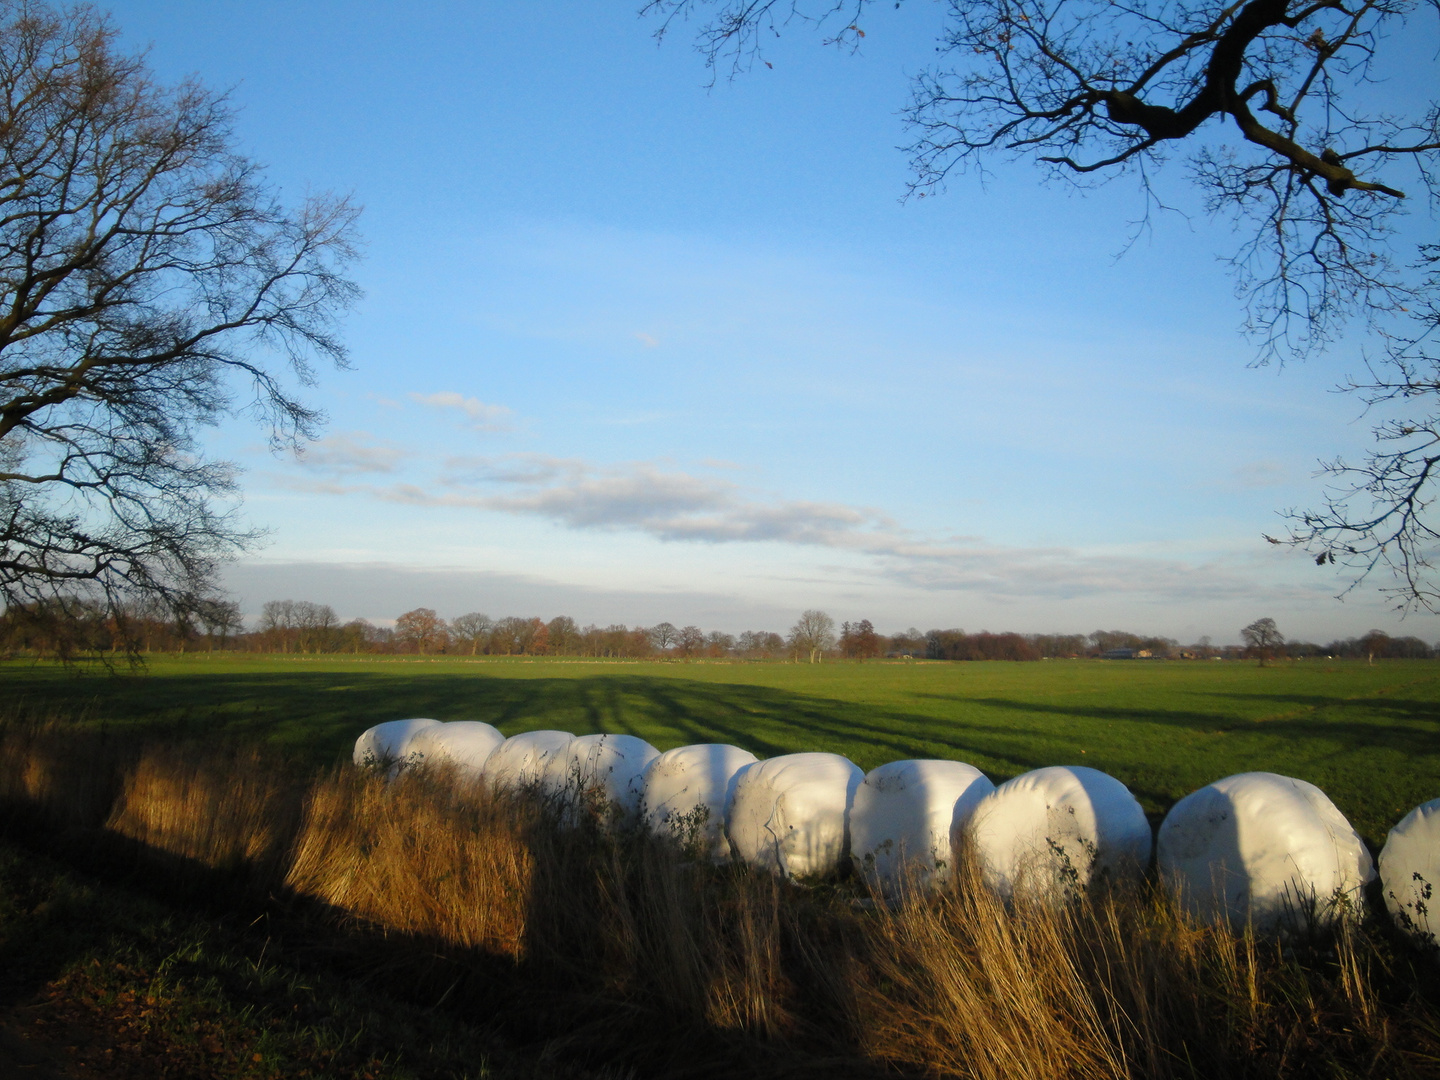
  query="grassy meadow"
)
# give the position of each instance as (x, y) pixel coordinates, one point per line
(194, 879)
(1369, 736)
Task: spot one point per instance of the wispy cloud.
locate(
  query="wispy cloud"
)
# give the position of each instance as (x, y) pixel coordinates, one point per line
(648, 340)
(1260, 474)
(1067, 573)
(350, 454)
(480, 416)
(666, 503)
(673, 505)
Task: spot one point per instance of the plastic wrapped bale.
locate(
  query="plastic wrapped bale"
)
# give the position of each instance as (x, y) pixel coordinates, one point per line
(467, 744)
(788, 814)
(901, 818)
(1053, 831)
(686, 790)
(1265, 848)
(611, 768)
(1410, 874)
(385, 744)
(532, 759)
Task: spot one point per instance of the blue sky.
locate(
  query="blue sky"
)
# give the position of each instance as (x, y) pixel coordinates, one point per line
(633, 349)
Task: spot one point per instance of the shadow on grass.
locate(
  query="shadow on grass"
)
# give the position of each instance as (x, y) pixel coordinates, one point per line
(315, 715)
(531, 1016)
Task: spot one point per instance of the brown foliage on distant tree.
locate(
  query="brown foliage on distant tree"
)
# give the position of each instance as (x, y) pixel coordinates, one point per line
(421, 631)
(858, 641)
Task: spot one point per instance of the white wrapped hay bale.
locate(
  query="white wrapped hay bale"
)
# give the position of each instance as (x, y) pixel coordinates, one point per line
(901, 819)
(531, 759)
(788, 814)
(686, 790)
(384, 744)
(1410, 873)
(466, 744)
(611, 767)
(1052, 831)
(1263, 847)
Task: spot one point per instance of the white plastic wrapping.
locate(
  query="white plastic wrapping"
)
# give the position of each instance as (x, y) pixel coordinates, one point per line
(1263, 847)
(686, 790)
(467, 744)
(384, 744)
(1052, 831)
(612, 767)
(788, 814)
(902, 816)
(530, 759)
(1410, 873)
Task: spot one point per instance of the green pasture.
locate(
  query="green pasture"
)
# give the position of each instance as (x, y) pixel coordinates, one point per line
(1368, 735)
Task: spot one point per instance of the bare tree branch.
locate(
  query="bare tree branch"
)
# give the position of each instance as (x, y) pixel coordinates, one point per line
(1273, 101)
(150, 284)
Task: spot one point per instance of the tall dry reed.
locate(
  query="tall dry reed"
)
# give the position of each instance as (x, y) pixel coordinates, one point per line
(232, 810)
(637, 951)
(426, 856)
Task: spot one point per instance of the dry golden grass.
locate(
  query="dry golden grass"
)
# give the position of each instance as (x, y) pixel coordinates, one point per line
(424, 856)
(229, 810)
(618, 938)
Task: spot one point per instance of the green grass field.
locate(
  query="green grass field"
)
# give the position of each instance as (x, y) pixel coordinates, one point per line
(1368, 735)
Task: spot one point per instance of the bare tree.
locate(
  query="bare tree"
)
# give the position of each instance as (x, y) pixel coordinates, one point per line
(690, 641)
(277, 624)
(221, 619)
(1095, 88)
(1262, 639)
(317, 626)
(563, 635)
(357, 634)
(511, 635)
(663, 635)
(1295, 129)
(1376, 512)
(812, 634)
(718, 643)
(472, 629)
(756, 643)
(150, 283)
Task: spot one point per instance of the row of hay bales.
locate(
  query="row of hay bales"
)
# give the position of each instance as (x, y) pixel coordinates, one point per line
(1260, 847)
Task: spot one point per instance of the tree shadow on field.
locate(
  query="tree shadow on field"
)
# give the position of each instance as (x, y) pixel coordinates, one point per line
(316, 715)
(1413, 713)
(1374, 756)
(1406, 725)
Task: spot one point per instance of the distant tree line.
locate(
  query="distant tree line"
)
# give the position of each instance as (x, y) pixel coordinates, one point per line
(71, 628)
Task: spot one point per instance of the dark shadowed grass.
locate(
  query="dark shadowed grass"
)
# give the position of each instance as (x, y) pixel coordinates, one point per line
(1367, 735)
(622, 952)
(99, 980)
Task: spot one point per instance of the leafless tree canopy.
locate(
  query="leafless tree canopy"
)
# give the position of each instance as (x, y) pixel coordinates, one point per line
(1269, 97)
(813, 634)
(150, 284)
(1288, 115)
(1377, 512)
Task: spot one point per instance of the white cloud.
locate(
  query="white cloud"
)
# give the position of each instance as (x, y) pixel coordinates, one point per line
(649, 341)
(480, 415)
